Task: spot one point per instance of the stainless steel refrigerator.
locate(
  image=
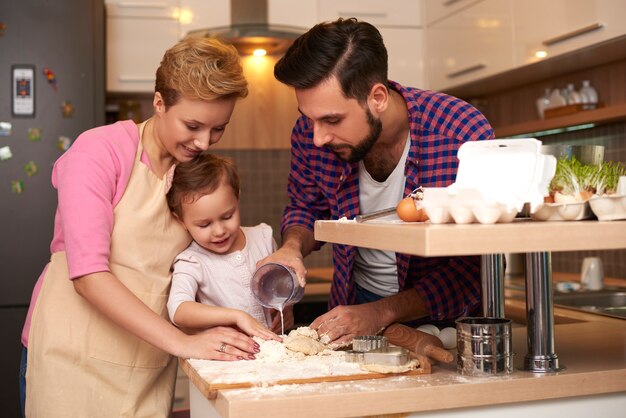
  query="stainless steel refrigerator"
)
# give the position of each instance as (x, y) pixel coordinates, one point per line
(51, 89)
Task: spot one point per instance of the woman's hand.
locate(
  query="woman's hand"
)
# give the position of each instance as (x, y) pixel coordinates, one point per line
(218, 343)
(254, 328)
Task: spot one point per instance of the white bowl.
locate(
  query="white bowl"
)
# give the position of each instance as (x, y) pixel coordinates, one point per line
(609, 208)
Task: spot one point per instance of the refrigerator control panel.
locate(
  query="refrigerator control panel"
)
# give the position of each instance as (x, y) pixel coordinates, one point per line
(23, 97)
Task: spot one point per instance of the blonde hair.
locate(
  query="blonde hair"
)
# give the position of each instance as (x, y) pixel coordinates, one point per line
(200, 68)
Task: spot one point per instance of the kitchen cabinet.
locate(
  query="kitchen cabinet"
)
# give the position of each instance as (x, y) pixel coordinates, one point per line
(135, 47)
(550, 28)
(202, 14)
(138, 33)
(301, 13)
(141, 8)
(473, 43)
(435, 10)
(400, 24)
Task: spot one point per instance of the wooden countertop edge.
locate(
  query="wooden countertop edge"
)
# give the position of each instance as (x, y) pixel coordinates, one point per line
(424, 398)
(595, 359)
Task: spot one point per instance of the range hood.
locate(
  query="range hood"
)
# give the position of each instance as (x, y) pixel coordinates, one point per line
(250, 29)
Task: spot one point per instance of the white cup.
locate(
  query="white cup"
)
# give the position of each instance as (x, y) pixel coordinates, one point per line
(592, 273)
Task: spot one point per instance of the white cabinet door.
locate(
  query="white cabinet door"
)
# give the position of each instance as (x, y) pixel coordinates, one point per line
(544, 29)
(134, 50)
(299, 13)
(406, 55)
(400, 24)
(438, 9)
(376, 12)
(474, 43)
(203, 14)
(142, 8)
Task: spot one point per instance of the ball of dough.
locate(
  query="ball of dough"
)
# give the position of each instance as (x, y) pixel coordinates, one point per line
(303, 344)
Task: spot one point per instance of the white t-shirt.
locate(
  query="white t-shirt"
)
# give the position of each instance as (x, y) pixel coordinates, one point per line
(222, 279)
(376, 270)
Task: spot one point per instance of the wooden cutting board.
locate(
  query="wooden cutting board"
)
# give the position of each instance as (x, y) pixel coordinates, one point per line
(209, 388)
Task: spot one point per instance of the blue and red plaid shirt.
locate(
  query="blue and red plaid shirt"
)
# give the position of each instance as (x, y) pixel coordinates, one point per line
(321, 186)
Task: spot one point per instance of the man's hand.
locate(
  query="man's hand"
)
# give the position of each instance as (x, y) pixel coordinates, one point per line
(287, 256)
(343, 323)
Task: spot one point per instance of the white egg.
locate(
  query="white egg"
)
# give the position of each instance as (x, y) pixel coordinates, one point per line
(429, 329)
(448, 337)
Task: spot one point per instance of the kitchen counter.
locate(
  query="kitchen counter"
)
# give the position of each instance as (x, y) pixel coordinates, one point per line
(594, 354)
(592, 349)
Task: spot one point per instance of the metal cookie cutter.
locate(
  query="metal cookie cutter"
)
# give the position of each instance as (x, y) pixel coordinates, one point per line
(369, 343)
(393, 356)
(363, 344)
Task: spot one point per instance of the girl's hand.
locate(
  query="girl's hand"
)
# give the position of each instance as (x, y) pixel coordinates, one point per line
(218, 343)
(254, 328)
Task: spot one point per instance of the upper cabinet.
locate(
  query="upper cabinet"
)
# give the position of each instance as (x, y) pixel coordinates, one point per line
(474, 42)
(202, 14)
(300, 13)
(435, 10)
(400, 23)
(468, 40)
(138, 33)
(544, 29)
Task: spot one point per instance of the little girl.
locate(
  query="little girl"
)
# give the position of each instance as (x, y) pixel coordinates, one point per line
(211, 279)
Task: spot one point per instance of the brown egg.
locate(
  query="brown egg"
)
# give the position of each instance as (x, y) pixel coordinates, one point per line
(409, 210)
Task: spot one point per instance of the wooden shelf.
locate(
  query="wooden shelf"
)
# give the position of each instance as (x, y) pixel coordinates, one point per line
(597, 116)
(520, 236)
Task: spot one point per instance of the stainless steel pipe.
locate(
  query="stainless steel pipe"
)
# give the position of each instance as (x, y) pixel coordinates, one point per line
(492, 280)
(541, 357)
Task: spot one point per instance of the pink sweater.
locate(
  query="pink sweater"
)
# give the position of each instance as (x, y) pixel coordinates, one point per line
(90, 179)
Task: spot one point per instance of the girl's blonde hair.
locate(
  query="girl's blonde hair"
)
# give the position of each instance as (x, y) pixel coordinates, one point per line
(200, 68)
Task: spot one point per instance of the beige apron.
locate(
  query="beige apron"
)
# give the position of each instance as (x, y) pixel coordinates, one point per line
(80, 364)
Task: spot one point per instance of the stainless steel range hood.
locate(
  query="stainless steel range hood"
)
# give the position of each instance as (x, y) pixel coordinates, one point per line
(250, 29)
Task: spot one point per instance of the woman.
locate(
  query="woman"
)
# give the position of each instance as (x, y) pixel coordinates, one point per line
(99, 343)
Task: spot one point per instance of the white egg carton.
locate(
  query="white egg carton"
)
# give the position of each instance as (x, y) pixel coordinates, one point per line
(466, 207)
(609, 207)
(494, 180)
(571, 211)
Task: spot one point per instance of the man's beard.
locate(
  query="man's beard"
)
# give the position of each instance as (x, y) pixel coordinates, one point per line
(359, 151)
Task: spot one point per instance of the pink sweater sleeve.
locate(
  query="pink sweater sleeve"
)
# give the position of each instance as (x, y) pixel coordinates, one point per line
(90, 179)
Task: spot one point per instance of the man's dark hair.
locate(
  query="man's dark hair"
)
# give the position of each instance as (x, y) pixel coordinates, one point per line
(352, 51)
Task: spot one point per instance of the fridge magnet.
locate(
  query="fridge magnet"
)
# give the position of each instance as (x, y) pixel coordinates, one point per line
(17, 186)
(2, 28)
(34, 134)
(52, 79)
(30, 168)
(63, 143)
(6, 128)
(5, 153)
(67, 108)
